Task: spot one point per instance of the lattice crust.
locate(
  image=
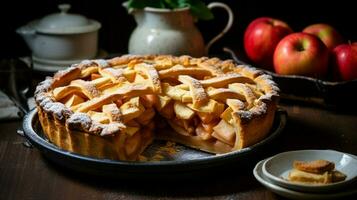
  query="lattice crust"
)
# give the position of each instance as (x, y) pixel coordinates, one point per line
(211, 104)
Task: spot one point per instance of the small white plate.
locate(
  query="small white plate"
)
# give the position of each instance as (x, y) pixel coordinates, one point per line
(292, 194)
(277, 168)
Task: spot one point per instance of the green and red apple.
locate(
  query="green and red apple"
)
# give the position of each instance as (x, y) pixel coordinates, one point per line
(301, 54)
(327, 34)
(261, 37)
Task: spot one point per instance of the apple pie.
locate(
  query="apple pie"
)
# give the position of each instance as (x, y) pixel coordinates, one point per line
(109, 108)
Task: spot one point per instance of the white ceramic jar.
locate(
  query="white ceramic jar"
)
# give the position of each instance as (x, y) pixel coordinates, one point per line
(165, 31)
(62, 36)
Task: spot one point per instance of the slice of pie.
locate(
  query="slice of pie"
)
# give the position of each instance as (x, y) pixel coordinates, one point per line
(109, 108)
(315, 172)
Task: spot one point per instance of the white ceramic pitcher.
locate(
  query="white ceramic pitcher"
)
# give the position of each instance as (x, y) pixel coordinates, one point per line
(165, 31)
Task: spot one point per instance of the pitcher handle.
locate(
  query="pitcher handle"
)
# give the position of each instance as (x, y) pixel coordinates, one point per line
(226, 28)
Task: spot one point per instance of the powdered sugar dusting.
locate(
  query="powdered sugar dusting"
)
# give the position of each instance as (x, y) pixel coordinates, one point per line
(112, 128)
(264, 77)
(96, 128)
(244, 115)
(154, 76)
(268, 85)
(252, 71)
(44, 100)
(102, 63)
(63, 72)
(44, 86)
(198, 90)
(213, 68)
(79, 121)
(91, 89)
(266, 97)
(58, 110)
(260, 108)
(116, 73)
(86, 62)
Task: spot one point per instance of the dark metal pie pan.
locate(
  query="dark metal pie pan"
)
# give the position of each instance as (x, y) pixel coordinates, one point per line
(185, 162)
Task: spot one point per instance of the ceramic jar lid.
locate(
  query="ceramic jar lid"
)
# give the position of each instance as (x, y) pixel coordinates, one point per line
(65, 23)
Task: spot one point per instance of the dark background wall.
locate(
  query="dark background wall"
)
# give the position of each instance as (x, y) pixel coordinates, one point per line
(117, 24)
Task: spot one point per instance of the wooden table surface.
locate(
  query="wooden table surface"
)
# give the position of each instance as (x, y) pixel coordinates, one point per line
(25, 174)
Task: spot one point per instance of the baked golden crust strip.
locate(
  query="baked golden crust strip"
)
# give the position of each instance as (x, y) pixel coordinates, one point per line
(61, 92)
(199, 96)
(163, 63)
(246, 91)
(88, 71)
(87, 88)
(235, 104)
(115, 75)
(179, 93)
(62, 78)
(224, 80)
(266, 83)
(215, 70)
(176, 71)
(100, 81)
(221, 94)
(127, 91)
(73, 100)
(152, 75)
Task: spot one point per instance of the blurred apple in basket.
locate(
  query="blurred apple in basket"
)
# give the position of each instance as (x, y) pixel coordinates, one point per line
(261, 37)
(301, 54)
(327, 34)
(345, 61)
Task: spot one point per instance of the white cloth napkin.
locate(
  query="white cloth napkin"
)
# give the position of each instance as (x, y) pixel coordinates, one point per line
(8, 109)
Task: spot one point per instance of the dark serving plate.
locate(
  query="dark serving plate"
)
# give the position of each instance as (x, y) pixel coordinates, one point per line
(334, 95)
(186, 161)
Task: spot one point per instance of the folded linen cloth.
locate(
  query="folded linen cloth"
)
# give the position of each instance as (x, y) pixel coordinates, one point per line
(8, 109)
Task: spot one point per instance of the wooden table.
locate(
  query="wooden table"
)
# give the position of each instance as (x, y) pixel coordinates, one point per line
(25, 174)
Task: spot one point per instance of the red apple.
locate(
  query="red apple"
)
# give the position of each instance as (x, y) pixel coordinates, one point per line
(345, 61)
(328, 34)
(261, 37)
(301, 54)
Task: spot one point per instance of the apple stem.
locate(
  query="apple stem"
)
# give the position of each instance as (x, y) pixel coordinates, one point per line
(349, 42)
